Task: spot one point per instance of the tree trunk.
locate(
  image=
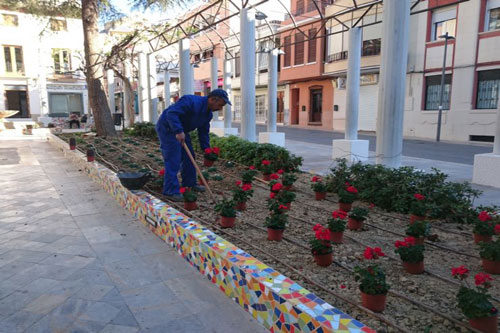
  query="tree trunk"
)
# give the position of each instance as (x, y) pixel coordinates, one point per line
(94, 73)
(129, 105)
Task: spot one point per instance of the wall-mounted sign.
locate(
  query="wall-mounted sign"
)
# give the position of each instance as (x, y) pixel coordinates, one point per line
(66, 87)
(367, 79)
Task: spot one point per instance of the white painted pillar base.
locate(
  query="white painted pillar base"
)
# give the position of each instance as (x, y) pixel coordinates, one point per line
(224, 131)
(351, 150)
(486, 168)
(276, 138)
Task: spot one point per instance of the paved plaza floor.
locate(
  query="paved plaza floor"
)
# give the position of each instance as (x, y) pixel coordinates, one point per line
(73, 260)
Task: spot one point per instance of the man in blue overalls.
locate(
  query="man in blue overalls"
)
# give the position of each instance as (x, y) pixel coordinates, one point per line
(189, 113)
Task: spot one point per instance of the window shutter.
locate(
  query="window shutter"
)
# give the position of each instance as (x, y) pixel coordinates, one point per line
(288, 51)
(311, 52)
(299, 48)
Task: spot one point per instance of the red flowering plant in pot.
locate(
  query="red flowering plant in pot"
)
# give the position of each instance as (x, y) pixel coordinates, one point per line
(411, 254)
(490, 254)
(418, 208)
(277, 220)
(241, 194)
(484, 227)
(419, 230)
(319, 187)
(211, 155)
(288, 179)
(356, 218)
(336, 224)
(190, 198)
(347, 196)
(372, 285)
(227, 212)
(321, 246)
(267, 169)
(248, 176)
(475, 302)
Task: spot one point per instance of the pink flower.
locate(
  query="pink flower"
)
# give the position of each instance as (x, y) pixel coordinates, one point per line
(265, 162)
(277, 187)
(459, 271)
(252, 167)
(482, 278)
(238, 183)
(216, 150)
(161, 172)
(352, 189)
(182, 190)
(315, 179)
(208, 150)
(272, 195)
(484, 216)
(418, 196)
(274, 176)
(246, 187)
(281, 171)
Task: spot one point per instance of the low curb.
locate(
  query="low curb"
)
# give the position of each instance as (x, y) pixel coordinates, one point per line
(276, 301)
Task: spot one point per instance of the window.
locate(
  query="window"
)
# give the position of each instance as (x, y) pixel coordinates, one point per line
(371, 47)
(10, 20)
(62, 105)
(299, 49)
(443, 21)
(263, 56)
(58, 25)
(237, 108)
(300, 7)
(433, 90)
(492, 17)
(62, 61)
(310, 5)
(311, 52)
(237, 65)
(13, 59)
(288, 51)
(260, 108)
(488, 89)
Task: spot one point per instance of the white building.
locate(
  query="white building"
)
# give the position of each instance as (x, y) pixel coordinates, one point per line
(41, 66)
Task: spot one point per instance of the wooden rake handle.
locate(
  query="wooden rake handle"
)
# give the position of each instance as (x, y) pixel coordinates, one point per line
(188, 152)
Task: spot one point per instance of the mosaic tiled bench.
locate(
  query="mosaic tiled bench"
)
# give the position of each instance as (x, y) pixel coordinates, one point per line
(276, 301)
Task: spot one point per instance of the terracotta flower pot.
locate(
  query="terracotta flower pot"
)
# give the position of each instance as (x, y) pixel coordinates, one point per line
(414, 218)
(376, 303)
(227, 222)
(414, 267)
(492, 267)
(90, 158)
(353, 224)
(190, 205)
(419, 240)
(323, 260)
(485, 324)
(337, 237)
(241, 206)
(275, 234)
(266, 176)
(480, 238)
(208, 163)
(345, 206)
(320, 196)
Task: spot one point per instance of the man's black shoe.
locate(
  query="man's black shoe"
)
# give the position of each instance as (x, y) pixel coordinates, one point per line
(175, 197)
(198, 188)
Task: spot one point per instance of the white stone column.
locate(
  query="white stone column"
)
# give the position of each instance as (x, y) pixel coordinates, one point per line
(111, 90)
(152, 90)
(226, 128)
(247, 78)
(126, 94)
(166, 89)
(391, 97)
(351, 148)
(272, 136)
(185, 70)
(144, 113)
(486, 166)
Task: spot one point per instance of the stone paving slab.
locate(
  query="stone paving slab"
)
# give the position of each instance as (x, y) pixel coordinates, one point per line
(71, 259)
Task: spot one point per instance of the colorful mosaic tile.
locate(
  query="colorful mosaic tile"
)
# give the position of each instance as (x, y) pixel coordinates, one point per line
(276, 301)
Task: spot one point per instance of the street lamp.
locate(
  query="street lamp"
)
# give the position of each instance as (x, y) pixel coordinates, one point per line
(441, 92)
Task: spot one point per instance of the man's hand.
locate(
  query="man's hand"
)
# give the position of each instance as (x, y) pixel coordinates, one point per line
(181, 137)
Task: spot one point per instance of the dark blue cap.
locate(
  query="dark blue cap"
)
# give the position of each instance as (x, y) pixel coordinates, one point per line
(221, 94)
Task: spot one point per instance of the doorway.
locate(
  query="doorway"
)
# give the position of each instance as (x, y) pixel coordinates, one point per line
(295, 107)
(17, 100)
(316, 103)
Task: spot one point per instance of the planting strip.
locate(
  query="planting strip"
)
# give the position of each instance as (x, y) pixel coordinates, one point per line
(277, 302)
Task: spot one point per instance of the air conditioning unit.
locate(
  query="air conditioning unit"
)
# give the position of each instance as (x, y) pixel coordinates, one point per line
(341, 82)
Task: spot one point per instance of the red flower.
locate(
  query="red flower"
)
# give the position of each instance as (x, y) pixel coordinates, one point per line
(418, 196)
(182, 190)
(368, 254)
(372, 205)
(277, 187)
(339, 214)
(281, 171)
(317, 227)
(352, 189)
(315, 179)
(274, 176)
(460, 271)
(497, 229)
(482, 278)
(265, 162)
(282, 207)
(322, 233)
(342, 286)
(238, 183)
(252, 167)
(373, 253)
(272, 195)
(379, 252)
(246, 187)
(216, 150)
(208, 150)
(484, 216)
(162, 172)
(399, 244)
(410, 240)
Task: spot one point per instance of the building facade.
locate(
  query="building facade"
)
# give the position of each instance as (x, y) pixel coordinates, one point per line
(41, 66)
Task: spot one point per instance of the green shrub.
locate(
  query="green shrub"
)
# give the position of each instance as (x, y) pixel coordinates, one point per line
(143, 129)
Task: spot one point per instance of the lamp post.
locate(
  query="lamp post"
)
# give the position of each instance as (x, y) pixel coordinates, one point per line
(441, 91)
